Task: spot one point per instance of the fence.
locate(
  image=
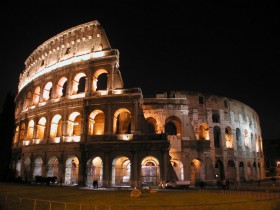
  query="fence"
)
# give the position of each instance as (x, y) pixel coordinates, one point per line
(260, 199)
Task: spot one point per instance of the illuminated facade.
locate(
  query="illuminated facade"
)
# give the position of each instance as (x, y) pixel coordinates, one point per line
(75, 121)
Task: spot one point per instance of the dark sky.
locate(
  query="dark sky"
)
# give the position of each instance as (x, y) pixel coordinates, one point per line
(227, 50)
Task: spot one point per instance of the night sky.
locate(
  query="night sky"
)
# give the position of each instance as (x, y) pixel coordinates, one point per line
(230, 51)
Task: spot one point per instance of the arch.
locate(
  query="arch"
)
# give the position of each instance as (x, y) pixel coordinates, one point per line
(228, 137)
(27, 101)
(53, 167)
(178, 168)
(16, 135)
(95, 171)
(203, 132)
(74, 124)
(22, 132)
(195, 171)
(238, 138)
(41, 128)
(61, 87)
(99, 85)
(56, 126)
(249, 171)
(47, 91)
(122, 121)
(18, 168)
(246, 138)
(241, 172)
(151, 125)
(258, 144)
(216, 117)
(150, 171)
(30, 130)
(78, 85)
(27, 169)
(96, 123)
(121, 171)
(36, 95)
(71, 171)
(219, 170)
(38, 167)
(173, 126)
(217, 136)
(231, 170)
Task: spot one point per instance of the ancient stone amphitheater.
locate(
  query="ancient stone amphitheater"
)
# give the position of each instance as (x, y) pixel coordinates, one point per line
(75, 121)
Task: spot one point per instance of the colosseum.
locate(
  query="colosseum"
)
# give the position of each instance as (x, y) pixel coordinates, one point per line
(74, 120)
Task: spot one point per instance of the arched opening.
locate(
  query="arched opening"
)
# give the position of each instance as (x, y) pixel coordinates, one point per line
(99, 81)
(27, 169)
(228, 137)
(56, 128)
(217, 136)
(61, 87)
(249, 171)
(27, 101)
(150, 171)
(238, 139)
(216, 117)
(257, 145)
(74, 125)
(36, 96)
(246, 138)
(203, 132)
(178, 168)
(30, 130)
(16, 135)
(96, 123)
(219, 170)
(151, 125)
(102, 81)
(22, 132)
(254, 171)
(121, 171)
(241, 172)
(259, 171)
(231, 170)
(173, 126)
(95, 171)
(72, 171)
(41, 128)
(195, 172)
(18, 168)
(53, 166)
(122, 121)
(38, 167)
(47, 91)
(79, 83)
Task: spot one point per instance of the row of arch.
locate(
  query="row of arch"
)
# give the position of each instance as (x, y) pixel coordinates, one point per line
(62, 88)
(71, 173)
(71, 127)
(121, 170)
(122, 125)
(249, 140)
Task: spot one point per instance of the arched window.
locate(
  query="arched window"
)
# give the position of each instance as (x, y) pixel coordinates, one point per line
(216, 117)
(47, 91)
(151, 125)
(217, 136)
(173, 126)
(203, 132)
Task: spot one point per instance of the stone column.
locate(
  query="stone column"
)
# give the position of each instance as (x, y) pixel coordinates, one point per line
(134, 170)
(107, 169)
(165, 162)
(109, 120)
(62, 167)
